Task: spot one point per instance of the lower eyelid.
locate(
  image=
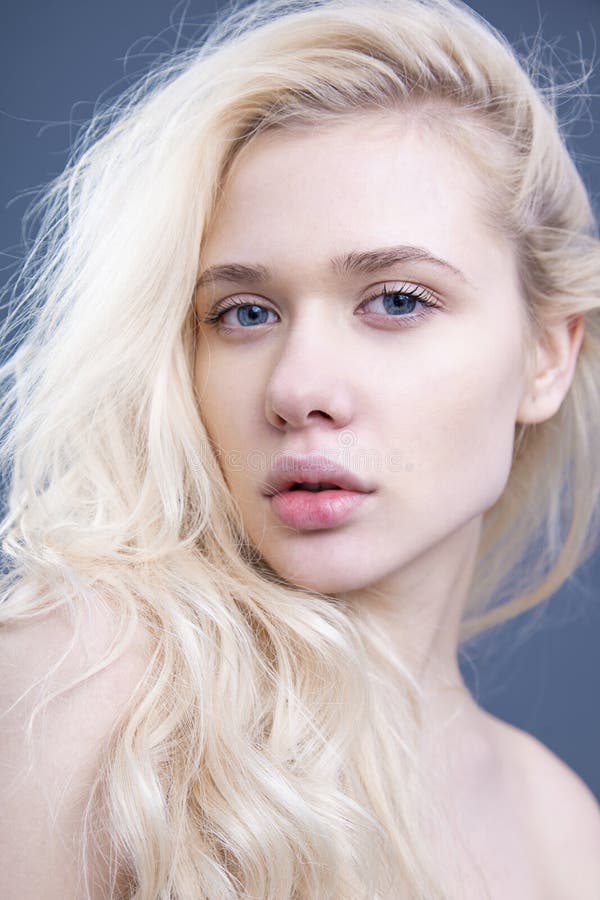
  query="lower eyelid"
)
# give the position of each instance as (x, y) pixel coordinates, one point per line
(424, 303)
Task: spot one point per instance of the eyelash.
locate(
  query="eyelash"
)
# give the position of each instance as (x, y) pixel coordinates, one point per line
(425, 297)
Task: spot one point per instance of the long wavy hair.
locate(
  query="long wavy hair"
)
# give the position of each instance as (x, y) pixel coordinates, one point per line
(310, 786)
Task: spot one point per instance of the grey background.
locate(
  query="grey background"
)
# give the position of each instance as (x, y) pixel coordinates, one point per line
(57, 58)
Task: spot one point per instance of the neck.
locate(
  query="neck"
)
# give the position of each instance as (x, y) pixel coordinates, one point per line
(417, 613)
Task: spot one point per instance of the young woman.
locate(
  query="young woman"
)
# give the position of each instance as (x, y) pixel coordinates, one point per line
(308, 396)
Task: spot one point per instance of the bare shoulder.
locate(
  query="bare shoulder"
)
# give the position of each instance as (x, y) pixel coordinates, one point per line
(46, 656)
(79, 676)
(45, 783)
(565, 816)
(30, 646)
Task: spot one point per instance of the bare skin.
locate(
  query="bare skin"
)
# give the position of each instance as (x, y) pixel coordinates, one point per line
(446, 391)
(522, 824)
(319, 365)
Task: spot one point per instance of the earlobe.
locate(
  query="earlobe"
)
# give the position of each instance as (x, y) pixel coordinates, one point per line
(556, 355)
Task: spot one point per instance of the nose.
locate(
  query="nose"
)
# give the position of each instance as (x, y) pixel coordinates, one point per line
(310, 381)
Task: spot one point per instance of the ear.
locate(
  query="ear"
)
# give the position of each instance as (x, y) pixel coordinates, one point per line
(555, 357)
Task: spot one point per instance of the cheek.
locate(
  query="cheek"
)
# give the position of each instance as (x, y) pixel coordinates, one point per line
(228, 407)
(463, 428)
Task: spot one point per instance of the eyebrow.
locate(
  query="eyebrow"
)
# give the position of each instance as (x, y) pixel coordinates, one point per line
(363, 261)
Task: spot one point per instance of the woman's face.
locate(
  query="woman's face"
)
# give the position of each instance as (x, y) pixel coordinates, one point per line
(382, 330)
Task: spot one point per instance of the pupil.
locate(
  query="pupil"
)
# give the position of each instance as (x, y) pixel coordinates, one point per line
(397, 302)
(252, 314)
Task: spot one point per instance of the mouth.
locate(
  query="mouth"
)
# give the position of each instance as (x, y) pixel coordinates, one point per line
(313, 507)
(314, 488)
(311, 492)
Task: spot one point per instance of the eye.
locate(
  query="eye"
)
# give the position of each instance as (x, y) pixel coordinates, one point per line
(244, 314)
(397, 304)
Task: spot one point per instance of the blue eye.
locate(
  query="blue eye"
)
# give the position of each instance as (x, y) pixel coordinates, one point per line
(399, 304)
(252, 315)
(247, 315)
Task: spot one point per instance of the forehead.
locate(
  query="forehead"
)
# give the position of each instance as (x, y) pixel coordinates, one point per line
(373, 180)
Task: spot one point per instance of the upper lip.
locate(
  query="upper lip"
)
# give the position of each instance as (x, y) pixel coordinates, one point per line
(290, 470)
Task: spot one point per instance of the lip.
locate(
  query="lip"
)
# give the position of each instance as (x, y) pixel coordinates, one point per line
(289, 470)
(315, 511)
(319, 510)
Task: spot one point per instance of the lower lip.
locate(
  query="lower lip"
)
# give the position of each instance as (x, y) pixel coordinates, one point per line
(313, 510)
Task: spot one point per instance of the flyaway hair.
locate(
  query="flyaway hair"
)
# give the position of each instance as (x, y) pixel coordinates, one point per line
(262, 755)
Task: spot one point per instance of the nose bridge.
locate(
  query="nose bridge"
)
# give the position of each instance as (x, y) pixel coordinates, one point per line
(311, 370)
(310, 337)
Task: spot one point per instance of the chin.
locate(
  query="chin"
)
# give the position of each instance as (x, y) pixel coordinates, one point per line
(333, 577)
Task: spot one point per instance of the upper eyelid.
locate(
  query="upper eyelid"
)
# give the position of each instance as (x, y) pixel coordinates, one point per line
(427, 299)
(389, 284)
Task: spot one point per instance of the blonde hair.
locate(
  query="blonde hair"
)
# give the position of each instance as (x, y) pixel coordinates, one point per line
(310, 786)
